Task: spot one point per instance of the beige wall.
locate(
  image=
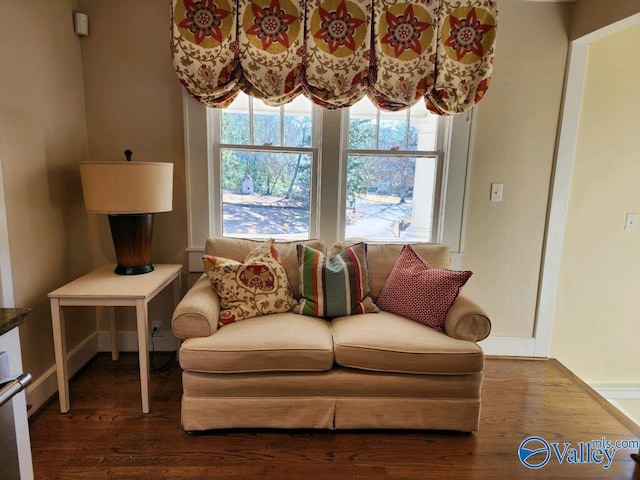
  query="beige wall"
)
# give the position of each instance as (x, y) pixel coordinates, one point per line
(597, 324)
(134, 101)
(42, 138)
(591, 15)
(514, 144)
(124, 75)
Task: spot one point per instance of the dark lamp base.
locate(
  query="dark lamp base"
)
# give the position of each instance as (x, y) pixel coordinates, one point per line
(131, 234)
(120, 270)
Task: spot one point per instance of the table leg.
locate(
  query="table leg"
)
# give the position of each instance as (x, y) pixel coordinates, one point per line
(142, 320)
(60, 348)
(177, 289)
(115, 353)
(177, 295)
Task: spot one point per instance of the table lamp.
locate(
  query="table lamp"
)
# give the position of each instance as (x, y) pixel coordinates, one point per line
(130, 193)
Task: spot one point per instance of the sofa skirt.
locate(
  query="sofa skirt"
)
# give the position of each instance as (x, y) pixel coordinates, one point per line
(337, 399)
(215, 413)
(331, 413)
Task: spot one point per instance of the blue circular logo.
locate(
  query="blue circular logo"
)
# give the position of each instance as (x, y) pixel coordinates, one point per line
(534, 452)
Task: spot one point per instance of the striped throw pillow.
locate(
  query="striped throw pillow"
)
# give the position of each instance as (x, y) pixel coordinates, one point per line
(336, 286)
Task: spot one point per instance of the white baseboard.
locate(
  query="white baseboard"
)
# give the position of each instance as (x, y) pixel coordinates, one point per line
(625, 412)
(509, 346)
(617, 390)
(626, 392)
(46, 385)
(128, 342)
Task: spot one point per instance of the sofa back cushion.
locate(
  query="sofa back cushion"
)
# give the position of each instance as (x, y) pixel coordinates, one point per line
(383, 256)
(238, 248)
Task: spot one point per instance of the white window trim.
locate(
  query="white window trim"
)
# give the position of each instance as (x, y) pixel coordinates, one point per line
(204, 200)
(456, 175)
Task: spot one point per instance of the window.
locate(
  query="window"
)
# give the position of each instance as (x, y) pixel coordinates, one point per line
(264, 157)
(393, 166)
(299, 171)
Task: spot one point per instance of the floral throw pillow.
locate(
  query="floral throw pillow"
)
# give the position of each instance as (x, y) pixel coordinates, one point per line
(256, 286)
(420, 292)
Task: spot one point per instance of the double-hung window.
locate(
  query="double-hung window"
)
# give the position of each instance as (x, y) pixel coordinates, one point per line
(263, 164)
(394, 163)
(298, 171)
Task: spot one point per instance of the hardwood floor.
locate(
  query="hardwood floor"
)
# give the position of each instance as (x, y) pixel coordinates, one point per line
(106, 436)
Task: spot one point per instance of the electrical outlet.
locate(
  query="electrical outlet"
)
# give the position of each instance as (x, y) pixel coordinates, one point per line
(156, 329)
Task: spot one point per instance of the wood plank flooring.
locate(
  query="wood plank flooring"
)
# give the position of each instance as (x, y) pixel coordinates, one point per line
(106, 436)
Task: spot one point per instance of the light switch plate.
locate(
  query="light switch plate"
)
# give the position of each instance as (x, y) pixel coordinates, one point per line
(631, 222)
(81, 24)
(496, 192)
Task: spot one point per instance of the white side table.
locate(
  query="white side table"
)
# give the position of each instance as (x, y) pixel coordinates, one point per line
(103, 287)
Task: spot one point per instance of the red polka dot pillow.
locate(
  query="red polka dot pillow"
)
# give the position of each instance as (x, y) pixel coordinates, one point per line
(417, 291)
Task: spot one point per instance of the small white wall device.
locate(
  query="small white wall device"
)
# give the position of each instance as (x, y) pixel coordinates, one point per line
(81, 24)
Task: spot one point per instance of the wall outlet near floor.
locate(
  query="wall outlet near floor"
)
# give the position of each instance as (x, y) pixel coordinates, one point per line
(156, 328)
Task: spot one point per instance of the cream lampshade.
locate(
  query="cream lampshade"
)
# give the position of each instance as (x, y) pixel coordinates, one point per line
(130, 193)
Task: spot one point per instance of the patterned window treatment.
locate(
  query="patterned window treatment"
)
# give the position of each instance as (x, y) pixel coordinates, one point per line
(336, 51)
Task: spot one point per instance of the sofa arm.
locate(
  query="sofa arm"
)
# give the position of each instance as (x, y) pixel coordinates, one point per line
(197, 313)
(466, 320)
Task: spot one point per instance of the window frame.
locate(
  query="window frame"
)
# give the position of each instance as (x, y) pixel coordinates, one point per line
(442, 135)
(204, 201)
(215, 166)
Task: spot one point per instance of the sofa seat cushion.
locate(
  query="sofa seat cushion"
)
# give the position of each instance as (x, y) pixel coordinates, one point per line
(387, 342)
(269, 343)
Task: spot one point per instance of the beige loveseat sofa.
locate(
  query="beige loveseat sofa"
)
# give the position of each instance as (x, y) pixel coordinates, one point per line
(285, 370)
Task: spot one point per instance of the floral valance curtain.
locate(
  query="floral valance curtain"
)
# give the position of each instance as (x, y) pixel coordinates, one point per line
(397, 52)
